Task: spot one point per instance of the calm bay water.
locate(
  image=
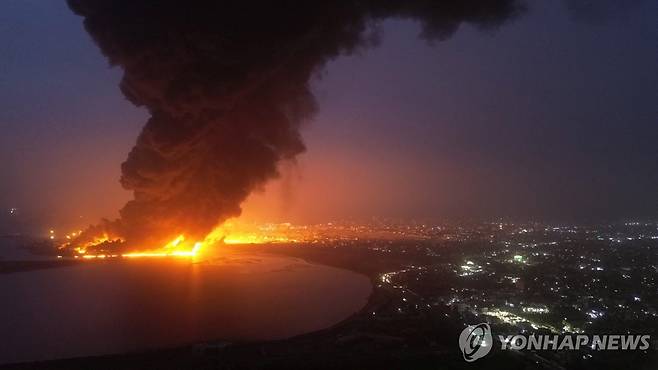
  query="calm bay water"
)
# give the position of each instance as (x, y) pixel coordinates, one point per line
(121, 306)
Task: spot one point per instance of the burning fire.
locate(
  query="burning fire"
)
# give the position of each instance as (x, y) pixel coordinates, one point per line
(227, 233)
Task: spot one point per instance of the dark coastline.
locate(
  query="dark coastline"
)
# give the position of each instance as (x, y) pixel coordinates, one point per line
(8, 267)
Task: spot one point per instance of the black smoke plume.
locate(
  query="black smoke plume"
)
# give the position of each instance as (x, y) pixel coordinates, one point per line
(226, 84)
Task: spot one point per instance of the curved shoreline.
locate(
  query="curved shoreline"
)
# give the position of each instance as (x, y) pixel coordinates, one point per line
(250, 262)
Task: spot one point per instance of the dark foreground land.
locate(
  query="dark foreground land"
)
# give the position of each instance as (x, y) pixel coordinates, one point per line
(414, 343)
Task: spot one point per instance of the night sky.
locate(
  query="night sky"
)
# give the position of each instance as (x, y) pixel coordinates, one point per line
(551, 116)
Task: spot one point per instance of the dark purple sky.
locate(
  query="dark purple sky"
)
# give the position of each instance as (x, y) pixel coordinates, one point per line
(552, 116)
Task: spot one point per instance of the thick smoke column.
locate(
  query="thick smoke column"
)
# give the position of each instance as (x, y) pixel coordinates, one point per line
(227, 86)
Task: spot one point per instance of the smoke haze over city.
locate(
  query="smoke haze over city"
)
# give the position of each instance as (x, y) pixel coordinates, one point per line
(453, 127)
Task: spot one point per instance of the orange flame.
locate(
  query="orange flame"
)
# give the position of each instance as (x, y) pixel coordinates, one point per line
(227, 233)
